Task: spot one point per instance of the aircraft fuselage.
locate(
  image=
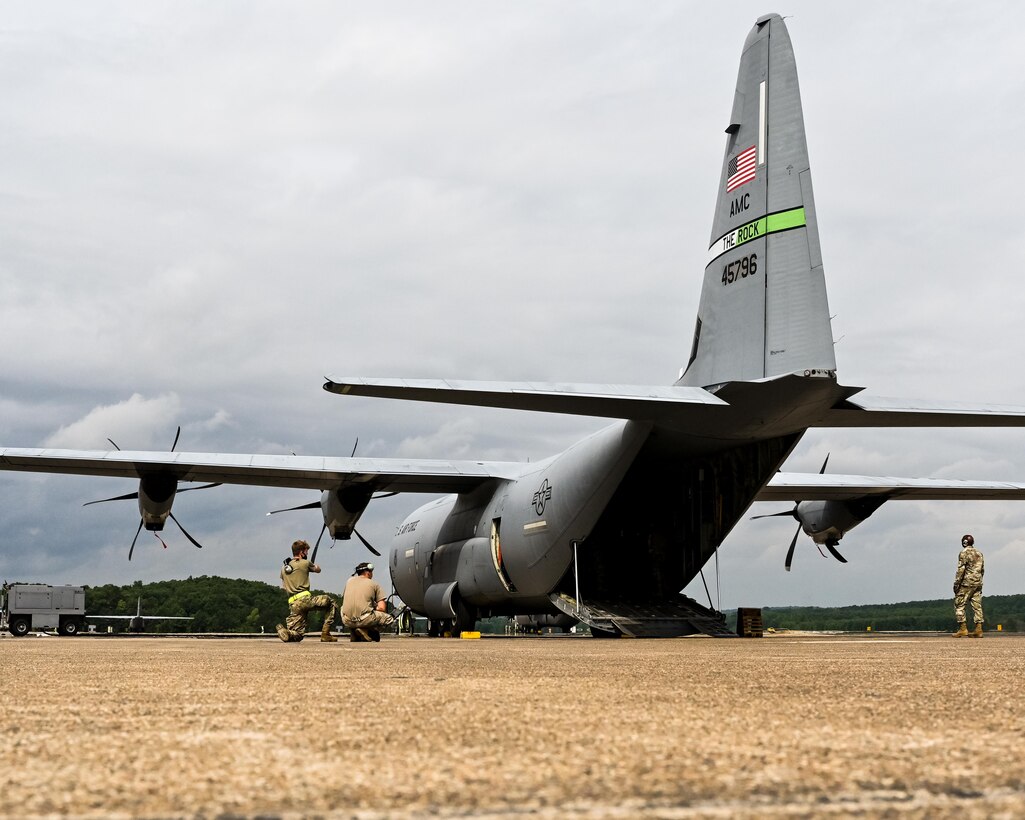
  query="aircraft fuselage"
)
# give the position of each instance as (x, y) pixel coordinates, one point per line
(635, 493)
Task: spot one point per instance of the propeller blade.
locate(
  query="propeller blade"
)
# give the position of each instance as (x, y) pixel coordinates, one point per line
(366, 543)
(790, 552)
(184, 532)
(384, 495)
(112, 444)
(200, 487)
(131, 549)
(824, 463)
(115, 498)
(791, 513)
(313, 505)
(835, 554)
(313, 558)
(354, 446)
(176, 438)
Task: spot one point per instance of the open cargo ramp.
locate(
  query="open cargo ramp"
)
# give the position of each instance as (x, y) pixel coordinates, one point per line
(669, 618)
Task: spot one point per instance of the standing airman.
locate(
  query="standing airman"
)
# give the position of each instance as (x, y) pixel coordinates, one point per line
(968, 587)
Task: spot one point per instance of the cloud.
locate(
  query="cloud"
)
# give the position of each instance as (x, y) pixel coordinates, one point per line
(208, 209)
(136, 424)
(455, 439)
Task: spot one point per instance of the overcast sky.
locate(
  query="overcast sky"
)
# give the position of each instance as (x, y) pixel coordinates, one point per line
(205, 208)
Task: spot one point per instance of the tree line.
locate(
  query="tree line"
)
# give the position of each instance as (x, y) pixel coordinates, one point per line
(231, 605)
(924, 616)
(215, 604)
(240, 605)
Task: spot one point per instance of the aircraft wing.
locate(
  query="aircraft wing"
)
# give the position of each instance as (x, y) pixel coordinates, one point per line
(826, 487)
(619, 401)
(144, 617)
(879, 411)
(309, 472)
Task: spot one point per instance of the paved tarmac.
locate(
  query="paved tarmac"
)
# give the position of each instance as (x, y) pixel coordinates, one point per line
(788, 726)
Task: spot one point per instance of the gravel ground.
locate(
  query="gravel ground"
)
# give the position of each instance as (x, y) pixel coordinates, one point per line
(788, 726)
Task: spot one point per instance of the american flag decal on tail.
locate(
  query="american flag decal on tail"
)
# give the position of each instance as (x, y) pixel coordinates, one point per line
(740, 169)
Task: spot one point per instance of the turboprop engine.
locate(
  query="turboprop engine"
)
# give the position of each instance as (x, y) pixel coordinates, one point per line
(156, 497)
(826, 522)
(341, 508)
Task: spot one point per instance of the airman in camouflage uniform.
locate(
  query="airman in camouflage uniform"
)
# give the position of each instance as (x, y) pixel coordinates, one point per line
(295, 578)
(364, 606)
(968, 587)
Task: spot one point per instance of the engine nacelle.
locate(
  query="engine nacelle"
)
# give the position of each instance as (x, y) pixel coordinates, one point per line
(826, 522)
(156, 495)
(343, 507)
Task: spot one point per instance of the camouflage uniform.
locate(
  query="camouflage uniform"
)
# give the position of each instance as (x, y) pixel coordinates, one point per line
(301, 602)
(359, 604)
(968, 584)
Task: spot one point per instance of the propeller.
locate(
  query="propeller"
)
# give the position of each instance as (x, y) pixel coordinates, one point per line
(829, 544)
(326, 503)
(135, 495)
(313, 505)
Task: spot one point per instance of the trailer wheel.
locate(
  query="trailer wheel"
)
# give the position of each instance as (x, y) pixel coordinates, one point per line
(69, 627)
(19, 626)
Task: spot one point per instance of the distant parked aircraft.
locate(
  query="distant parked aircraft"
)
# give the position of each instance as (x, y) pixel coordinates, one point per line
(136, 622)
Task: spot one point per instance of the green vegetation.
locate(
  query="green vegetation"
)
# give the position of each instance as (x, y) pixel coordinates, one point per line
(239, 605)
(216, 605)
(926, 616)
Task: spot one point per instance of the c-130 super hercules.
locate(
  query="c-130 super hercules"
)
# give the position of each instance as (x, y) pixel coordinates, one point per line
(663, 485)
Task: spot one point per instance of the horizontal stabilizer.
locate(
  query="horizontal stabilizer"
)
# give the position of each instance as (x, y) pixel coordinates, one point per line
(826, 487)
(605, 400)
(869, 411)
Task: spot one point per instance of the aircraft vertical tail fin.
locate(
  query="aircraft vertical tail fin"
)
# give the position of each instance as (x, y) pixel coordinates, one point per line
(763, 309)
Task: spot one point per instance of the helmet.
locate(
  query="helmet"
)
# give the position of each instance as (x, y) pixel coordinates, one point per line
(363, 567)
(967, 541)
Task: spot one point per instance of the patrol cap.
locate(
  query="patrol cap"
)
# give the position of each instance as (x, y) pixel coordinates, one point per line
(363, 567)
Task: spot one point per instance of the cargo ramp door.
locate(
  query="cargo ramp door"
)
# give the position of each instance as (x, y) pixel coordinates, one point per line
(668, 618)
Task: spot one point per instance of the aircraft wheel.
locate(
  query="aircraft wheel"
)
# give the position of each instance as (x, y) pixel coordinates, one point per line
(433, 628)
(406, 623)
(466, 620)
(19, 626)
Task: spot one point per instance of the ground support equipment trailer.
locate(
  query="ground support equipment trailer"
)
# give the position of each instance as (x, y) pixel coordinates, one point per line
(24, 607)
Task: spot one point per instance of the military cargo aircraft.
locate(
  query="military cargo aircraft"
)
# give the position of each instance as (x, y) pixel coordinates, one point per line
(137, 622)
(609, 531)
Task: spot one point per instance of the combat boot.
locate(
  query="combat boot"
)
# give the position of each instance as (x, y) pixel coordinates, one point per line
(978, 631)
(326, 636)
(962, 630)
